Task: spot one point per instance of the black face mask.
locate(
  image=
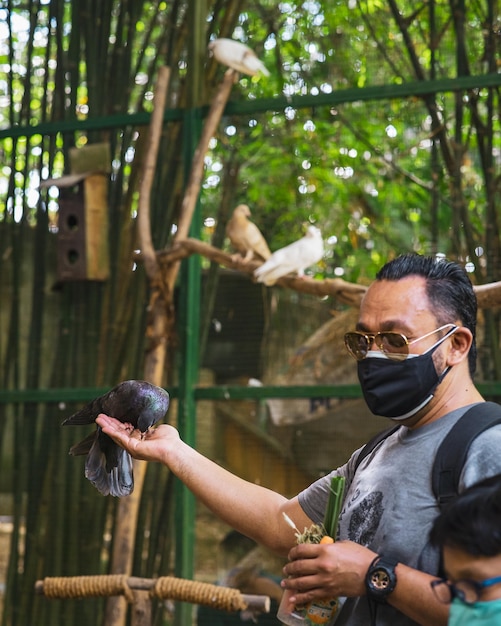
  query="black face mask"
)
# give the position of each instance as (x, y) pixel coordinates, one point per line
(399, 389)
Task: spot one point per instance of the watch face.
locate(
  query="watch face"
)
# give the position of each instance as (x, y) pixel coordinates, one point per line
(380, 579)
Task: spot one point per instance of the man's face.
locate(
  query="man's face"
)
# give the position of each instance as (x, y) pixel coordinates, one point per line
(401, 306)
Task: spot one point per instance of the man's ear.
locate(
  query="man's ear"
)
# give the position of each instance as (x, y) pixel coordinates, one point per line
(460, 343)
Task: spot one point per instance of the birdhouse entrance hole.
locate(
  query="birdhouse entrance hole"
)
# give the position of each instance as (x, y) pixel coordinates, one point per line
(72, 222)
(72, 257)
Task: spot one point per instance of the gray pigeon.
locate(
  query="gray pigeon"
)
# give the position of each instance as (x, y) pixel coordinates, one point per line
(108, 466)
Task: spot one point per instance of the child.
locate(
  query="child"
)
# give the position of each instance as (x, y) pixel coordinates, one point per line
(468, 531)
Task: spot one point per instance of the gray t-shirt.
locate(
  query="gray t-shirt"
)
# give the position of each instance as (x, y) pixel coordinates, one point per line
(389, 505)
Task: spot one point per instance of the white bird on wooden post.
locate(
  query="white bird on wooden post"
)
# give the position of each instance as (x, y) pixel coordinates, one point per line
(245, 236)
(295, 257)
(238, 56)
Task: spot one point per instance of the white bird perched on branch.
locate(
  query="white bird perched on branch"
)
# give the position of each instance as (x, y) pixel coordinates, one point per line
(238, 56)
(295, 257)
(245, 236)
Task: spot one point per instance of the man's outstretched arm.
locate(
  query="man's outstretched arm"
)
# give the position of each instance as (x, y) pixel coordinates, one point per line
(252, 509)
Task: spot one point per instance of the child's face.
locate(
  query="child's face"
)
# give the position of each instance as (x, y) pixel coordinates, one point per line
(460, 565)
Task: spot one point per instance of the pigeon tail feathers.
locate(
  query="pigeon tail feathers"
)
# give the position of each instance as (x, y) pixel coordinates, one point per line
(84, 446)
(116, 481)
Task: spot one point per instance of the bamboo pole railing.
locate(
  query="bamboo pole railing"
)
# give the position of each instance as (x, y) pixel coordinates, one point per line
(139, 592)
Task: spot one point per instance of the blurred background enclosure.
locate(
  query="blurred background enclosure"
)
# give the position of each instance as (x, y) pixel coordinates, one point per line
(379, 123)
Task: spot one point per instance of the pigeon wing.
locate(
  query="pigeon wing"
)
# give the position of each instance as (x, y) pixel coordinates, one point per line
(111, 471)
(238, 56)
(245, 236)
(295, 257)
(87, 415)
(253, 64)
(279, 264)
(136, 402)
(310, 252)
(235, 230)
(256, 242)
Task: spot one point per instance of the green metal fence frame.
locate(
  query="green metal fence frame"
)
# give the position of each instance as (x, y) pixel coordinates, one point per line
(215, 392)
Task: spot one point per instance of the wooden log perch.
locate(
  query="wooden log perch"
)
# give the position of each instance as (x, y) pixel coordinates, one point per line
(345, 292)
(165, 587)
(488, 295)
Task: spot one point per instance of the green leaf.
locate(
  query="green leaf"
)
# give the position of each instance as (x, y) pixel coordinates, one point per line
(334, 505)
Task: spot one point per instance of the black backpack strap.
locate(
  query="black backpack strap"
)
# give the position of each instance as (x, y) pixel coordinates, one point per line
(453, 450)
(373, 443)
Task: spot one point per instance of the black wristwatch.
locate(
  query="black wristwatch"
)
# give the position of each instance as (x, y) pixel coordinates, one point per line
(381, 578)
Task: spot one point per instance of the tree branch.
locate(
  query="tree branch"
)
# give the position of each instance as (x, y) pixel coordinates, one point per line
(488, 295)
(155, 133)
(347, 293)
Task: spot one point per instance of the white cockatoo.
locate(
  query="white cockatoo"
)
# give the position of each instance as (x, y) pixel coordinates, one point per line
(245, 236)
(295, 257)
(237, 55)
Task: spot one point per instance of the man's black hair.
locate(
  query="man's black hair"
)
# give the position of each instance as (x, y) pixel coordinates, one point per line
(448, 288)
(472, 521)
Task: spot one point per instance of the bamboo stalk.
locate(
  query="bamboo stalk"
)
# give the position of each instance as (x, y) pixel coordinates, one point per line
(127, 510)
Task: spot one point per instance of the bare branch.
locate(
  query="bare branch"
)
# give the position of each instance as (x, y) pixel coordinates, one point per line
(488, 295)
(197, 168)
(155, 132)
(347, 293)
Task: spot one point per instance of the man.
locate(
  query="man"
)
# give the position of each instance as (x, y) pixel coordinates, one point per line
(469, 533)
(415, 350)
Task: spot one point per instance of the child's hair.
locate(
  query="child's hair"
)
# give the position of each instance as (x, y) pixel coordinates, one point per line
(472, 521)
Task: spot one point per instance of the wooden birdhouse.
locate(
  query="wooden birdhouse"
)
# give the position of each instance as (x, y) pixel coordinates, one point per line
(82, 239)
